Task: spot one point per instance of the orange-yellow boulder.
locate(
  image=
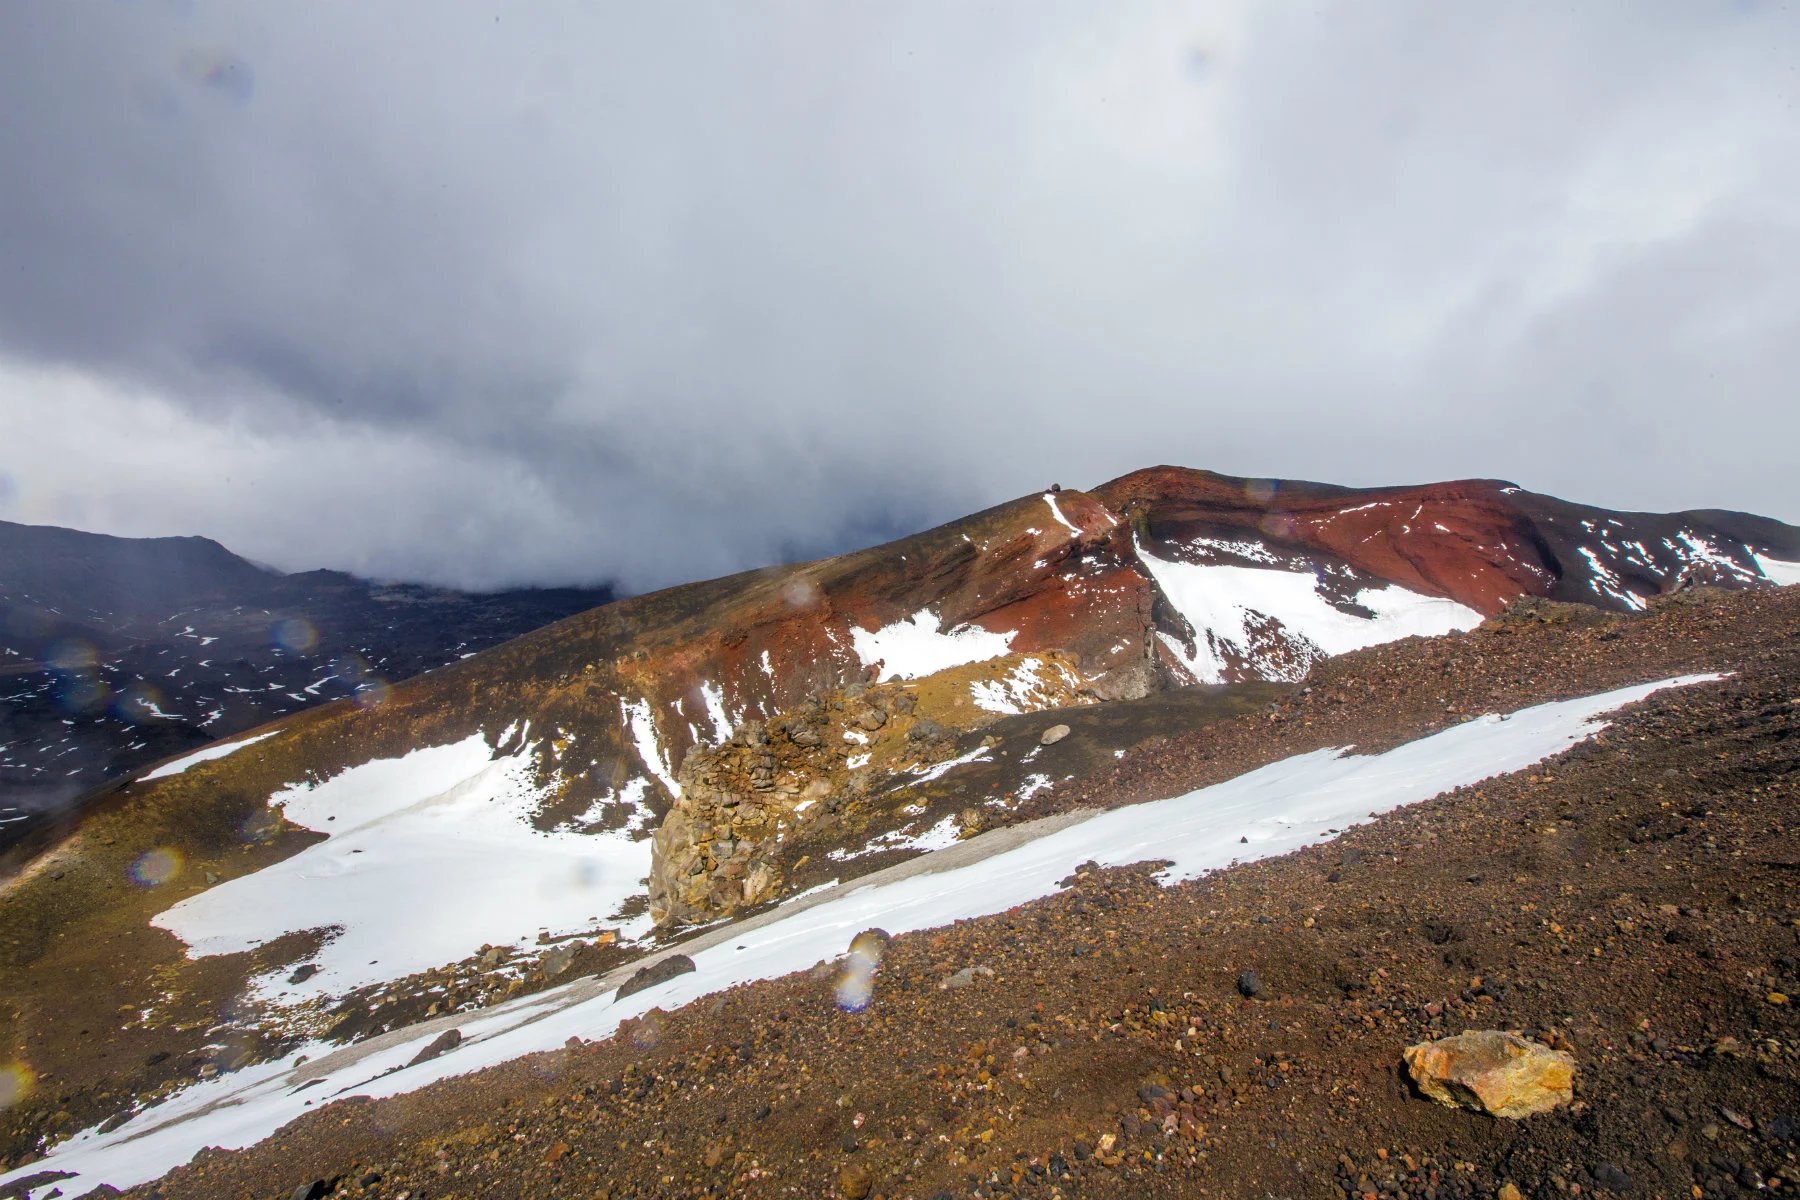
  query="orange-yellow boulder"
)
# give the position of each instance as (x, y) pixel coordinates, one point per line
(1493, 1071)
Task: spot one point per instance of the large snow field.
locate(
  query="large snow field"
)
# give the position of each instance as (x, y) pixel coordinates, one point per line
(1226, 604)
(430, 855)
(1277, 808)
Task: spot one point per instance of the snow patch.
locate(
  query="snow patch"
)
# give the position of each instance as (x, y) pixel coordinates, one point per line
(1057, 512)
(642, 723)
(430, 855)
(1226, 604)
(916, 646)
(714, 699)
(939, 770)
(944, 833)
(1254, 551)
(1606, 582)
(1025, 689)
(206, 755)
(1784, 573)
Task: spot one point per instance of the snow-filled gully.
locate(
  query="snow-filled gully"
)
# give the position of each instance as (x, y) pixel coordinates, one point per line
(1269, 811)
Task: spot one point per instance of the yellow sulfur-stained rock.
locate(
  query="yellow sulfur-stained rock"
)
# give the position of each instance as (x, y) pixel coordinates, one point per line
(1493, 1071)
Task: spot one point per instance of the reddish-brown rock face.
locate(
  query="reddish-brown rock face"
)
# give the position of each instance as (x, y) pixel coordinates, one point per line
(1139, 581)
(1463, 541)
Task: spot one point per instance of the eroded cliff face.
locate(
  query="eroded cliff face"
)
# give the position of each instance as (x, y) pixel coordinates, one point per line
(826, 765)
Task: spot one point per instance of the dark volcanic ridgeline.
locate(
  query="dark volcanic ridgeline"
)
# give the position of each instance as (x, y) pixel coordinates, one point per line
(118, 652)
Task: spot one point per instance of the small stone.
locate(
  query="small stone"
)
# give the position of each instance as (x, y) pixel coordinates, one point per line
(855, 1182)
(1609, 1176)
(1493, 1071)
(1509, 1191)
(963, 978)
(560, 958)
(444, 1042)
(660, 971)
(871, 943)
(1053, 735)
(1249, 984)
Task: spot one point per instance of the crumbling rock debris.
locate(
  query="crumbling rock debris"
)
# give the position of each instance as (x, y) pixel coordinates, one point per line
(560, 958)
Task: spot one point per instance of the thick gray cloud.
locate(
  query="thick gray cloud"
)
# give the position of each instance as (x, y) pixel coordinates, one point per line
(502, 294)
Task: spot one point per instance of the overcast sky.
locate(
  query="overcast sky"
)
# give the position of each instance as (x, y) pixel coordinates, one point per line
(567, 292)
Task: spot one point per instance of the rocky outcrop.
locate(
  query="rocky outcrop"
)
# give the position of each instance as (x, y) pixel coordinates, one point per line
(716, 850)
(1492, 1071)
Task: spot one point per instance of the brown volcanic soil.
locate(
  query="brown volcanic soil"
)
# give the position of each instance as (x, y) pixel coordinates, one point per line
(1633, 901)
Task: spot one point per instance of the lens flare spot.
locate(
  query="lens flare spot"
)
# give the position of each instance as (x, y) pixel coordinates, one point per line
(802, 594)
(82, 693)
(139, 702)
(221, 72)
(296, 634)
(260, 826)
(16, 1083)
(71, 655)
(156, 866)
(645, 1033)
(856, 976)
(372, 693)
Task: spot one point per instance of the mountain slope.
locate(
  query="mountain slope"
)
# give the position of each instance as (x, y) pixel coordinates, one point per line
(571, 799)
(1641, 872)
(117, 652)
(1162, 578)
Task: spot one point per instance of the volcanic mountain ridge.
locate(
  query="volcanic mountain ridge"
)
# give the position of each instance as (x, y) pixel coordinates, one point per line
(488, 827)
